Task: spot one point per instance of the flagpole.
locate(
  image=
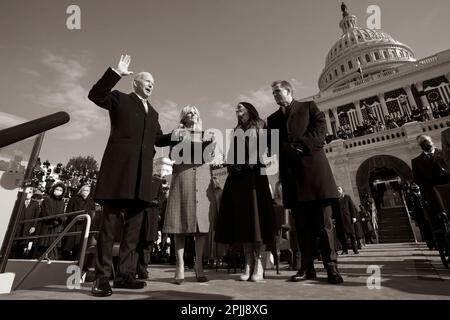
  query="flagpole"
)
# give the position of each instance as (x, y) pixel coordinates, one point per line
(360, 71)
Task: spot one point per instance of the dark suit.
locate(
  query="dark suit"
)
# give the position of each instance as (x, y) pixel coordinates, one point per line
(429, 172)
(32, 211)
(124, 181)
(307, 180)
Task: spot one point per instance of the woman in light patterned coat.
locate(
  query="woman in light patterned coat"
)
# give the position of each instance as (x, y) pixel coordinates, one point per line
(189, 204)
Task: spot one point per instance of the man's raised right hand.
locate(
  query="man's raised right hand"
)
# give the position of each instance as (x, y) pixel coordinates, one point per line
(122, 66)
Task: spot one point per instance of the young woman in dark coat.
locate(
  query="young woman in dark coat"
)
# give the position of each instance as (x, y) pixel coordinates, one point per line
(246, 214)
(52, 204)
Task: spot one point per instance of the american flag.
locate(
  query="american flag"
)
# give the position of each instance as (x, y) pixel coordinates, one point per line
(374, 109)
(438, 95)
(394, 108)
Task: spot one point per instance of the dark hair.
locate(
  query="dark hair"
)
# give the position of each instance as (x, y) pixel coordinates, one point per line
(254, 120)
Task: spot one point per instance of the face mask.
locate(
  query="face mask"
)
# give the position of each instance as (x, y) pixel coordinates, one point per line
(57, 193)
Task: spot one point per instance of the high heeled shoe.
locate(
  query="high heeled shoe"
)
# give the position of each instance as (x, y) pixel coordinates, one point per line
(178, 281)
(178, 272)
(200, 278)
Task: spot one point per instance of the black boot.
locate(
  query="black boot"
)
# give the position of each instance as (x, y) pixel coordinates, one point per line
(355, 247)
(334, 276)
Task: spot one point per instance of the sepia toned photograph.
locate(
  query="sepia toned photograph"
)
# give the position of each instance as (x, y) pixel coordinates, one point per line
(227, 156)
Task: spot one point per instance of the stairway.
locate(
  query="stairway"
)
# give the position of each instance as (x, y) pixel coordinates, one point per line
(394, 226)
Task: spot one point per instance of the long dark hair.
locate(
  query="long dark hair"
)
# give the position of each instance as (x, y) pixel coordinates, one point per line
(254, 120)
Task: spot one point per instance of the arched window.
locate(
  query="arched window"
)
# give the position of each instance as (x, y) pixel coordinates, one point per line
(335, 72)
(367, 58)
(350, 65)
(342, 68)
(377, 55)
(385, 54)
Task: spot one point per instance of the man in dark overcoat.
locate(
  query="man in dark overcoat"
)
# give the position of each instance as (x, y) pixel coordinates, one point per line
(346, 216)
(429, 170)
(308, 183)
(125, 177)
(31, 211)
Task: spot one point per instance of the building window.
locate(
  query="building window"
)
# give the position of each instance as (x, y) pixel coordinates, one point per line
(350, 65)
(331, 77)
(385, 54)
(335, 72)
(377, 56)
(367, 58)
(393, 54)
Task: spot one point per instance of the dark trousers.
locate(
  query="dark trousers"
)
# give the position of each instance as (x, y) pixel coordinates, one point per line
(144, 251)
(343, 236)
(133, 217)
(314, 228)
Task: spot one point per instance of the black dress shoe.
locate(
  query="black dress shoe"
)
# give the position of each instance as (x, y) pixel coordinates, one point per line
(202, 279)
(142, 276)
(129, 283)
(334, 276)
(304, 275)
(101, 288)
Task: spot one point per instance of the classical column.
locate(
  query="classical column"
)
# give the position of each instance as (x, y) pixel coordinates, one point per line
(336, 118)
(358, 111)
(412, 101)
(423, 98)
(383, 104)
(327, 119)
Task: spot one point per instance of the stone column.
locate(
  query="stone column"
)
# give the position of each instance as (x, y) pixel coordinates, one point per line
(383, 104)
(358, 112)
(412, 101)
(423, 98)
(327, 119)
(335, 113)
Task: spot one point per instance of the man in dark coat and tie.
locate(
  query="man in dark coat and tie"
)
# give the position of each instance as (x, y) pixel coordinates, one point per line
(429, 170)
(31, 211)
(345, 215)
(125, 177)
(308, 183)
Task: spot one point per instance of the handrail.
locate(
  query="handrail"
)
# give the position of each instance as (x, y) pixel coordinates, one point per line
(55, 242)
(53, 216)
(28, 129)
(51, 235)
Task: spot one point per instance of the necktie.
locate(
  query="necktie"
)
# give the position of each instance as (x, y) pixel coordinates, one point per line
(144, 102)
(27, 202)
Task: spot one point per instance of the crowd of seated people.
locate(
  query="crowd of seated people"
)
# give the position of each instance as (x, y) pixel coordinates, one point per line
(373, 125)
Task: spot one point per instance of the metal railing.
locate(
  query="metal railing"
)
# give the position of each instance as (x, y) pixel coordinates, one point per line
(65, 232)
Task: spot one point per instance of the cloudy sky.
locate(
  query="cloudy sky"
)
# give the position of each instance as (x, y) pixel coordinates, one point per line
(209, 53)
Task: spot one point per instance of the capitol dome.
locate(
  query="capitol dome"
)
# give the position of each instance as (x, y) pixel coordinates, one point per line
(376, 51)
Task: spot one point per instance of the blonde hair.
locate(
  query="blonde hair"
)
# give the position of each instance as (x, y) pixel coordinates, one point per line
(86, 186)
(194, 110)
